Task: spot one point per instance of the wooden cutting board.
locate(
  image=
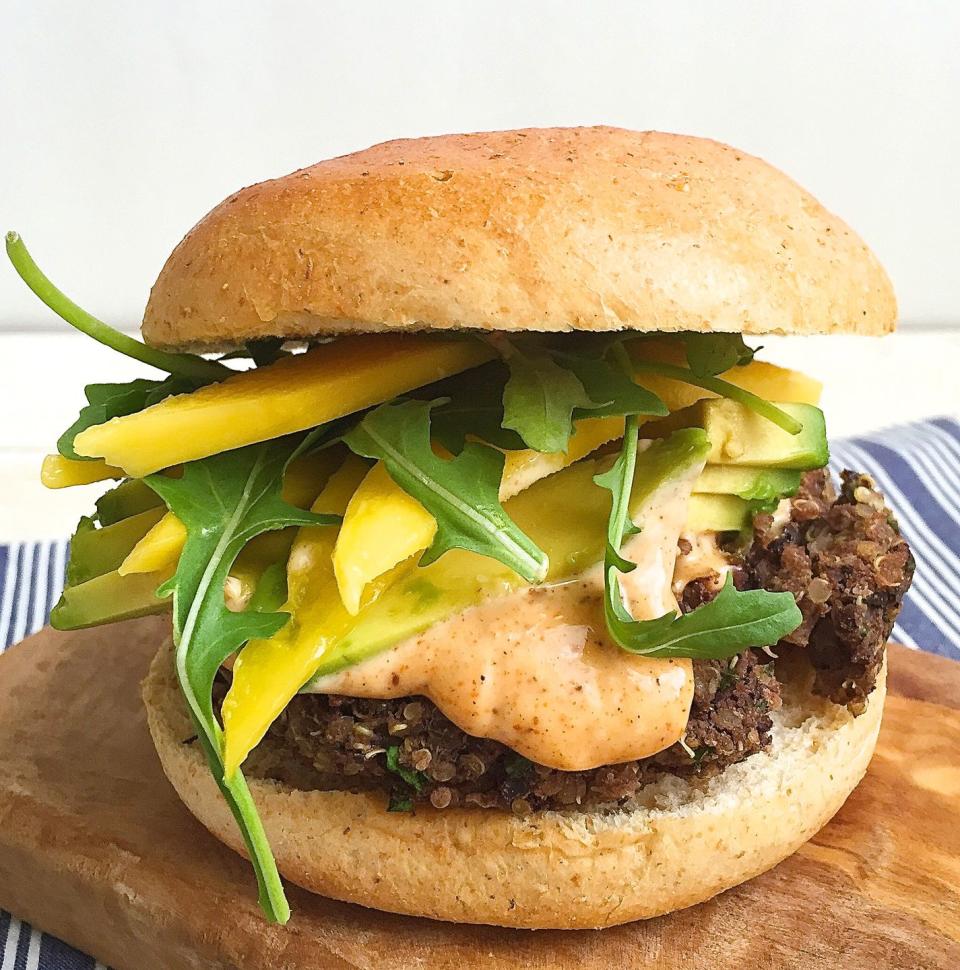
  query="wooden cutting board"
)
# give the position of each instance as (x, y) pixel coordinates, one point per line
(96, 848)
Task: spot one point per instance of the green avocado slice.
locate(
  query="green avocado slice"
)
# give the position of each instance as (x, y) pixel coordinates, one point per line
(739, 436)
(748, 482)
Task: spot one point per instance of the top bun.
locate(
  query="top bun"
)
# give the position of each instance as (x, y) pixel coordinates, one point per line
(540, 229)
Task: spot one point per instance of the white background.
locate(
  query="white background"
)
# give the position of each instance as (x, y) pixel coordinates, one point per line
(123, 122)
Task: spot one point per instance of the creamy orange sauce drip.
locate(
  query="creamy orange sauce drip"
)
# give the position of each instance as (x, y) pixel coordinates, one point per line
(537, 670)
(700, 555)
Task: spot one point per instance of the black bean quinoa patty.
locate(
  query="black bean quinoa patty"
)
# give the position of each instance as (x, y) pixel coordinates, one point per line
(844, 560)
(842, 557)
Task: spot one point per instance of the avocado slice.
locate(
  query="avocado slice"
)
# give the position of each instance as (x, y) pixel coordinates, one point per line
(130, 497)
(740, 436)
(108, 598)
(718, 513)
(748, 482)
(94, 552)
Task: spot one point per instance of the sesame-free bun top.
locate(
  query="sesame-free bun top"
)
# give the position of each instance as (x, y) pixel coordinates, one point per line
(539, 229)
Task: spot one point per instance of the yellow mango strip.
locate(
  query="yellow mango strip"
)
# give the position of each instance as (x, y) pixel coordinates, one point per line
(775, 383)
(381, 527)
(60, 472)
(160, 548)
(522, 468)
(293, 394)
(268, 673)
(763, 379)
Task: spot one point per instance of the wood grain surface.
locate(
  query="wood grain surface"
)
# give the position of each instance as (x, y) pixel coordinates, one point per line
(96, 848)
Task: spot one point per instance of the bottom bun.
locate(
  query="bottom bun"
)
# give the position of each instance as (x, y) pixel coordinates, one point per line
(679, 844)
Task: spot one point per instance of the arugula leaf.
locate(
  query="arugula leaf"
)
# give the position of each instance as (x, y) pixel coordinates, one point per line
(539, 400)
(415, 779)
(266, 350)
(106, 401)
(186, 365)
(730, 623)
(473, 406)
(709, 354)
(727, 625)
(605, 381)
(461, 493)
(618, 480)
(225, 501)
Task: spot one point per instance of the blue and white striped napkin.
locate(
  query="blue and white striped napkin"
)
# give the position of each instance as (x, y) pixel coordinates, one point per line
(917, 467)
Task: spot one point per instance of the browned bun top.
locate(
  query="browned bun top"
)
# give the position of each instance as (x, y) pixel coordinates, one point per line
(539, 229)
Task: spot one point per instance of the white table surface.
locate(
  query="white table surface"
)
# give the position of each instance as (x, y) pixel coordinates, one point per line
(869, 384)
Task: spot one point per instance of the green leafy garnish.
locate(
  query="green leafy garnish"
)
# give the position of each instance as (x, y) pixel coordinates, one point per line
(472, 405)
(730, 623)
(225, 501)
(415, 779)
(605, 381)
(266, 350)
(540, 398)
(106, 401)
(476, 399)
(516, 766)
(709, 354)
(461, 493)
(727, 625)
(185, 365)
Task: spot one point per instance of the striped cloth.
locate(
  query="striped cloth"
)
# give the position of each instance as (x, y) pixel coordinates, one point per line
(917, 467)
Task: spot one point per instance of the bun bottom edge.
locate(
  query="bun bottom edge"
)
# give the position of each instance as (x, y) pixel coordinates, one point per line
(556, 870)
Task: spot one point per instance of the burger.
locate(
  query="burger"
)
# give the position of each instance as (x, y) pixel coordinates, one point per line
(507, 583)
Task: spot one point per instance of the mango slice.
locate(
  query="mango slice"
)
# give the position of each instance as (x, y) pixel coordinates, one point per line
(59, 472)
(268, 673)
(159, 549)
(381, 527)
(522, 468)
(291, 395)
(775, 383)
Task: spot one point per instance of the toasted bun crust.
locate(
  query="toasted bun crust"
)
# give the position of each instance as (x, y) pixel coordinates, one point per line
(539, 229)
(551, 869)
